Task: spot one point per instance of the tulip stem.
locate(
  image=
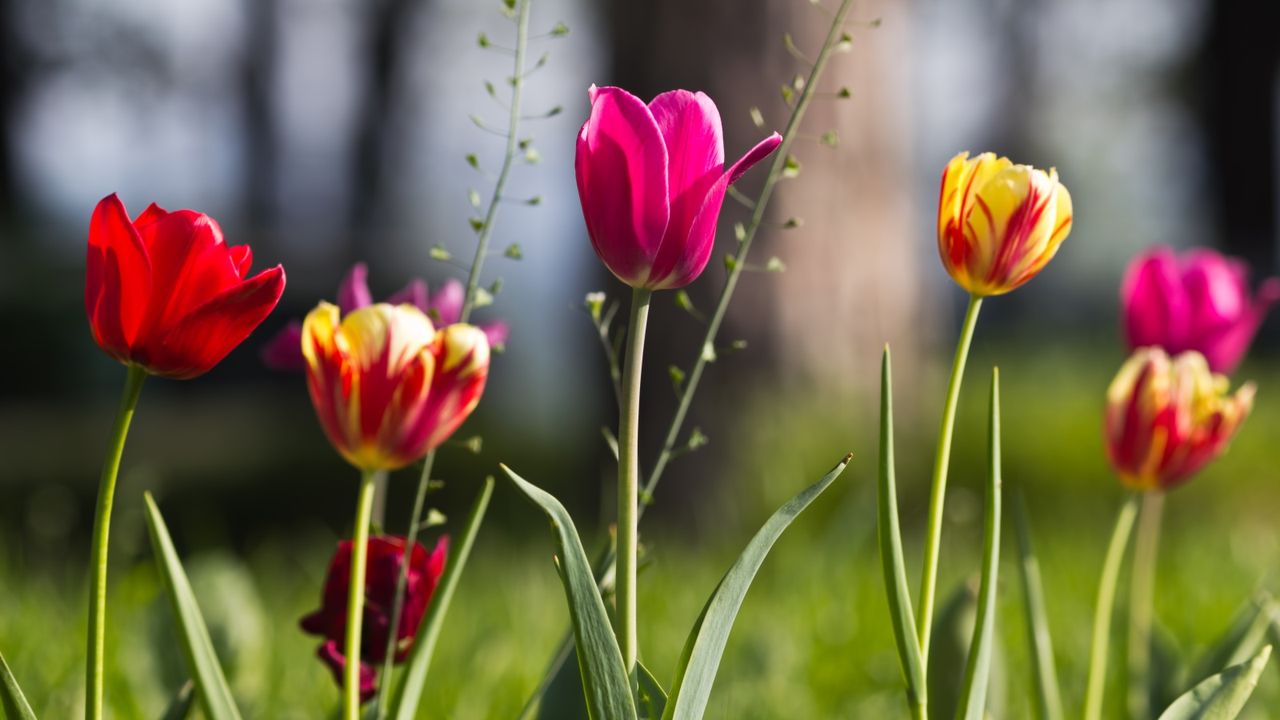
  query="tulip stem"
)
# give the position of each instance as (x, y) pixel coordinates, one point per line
(402, 580)
(355, 597)
(1102, 611)
(629, 477)
(101, 532)
(508, 160)
(938, 492)
(1141, 600)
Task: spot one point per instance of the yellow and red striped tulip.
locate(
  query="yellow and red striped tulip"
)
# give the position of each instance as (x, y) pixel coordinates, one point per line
(388, 386)
(1168, 417)
(999, 223)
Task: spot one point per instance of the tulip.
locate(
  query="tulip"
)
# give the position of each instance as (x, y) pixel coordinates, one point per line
(1166, 418)
(652, 179)
(444, 307)
(165, 293)
(1200, 301)
(388, 387)
(999, 223)
(385, 559)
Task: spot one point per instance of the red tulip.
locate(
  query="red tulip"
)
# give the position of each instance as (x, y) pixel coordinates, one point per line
(1167, 418)
(651, 179)
(164, 291)
(1199, 301)
(385, 558)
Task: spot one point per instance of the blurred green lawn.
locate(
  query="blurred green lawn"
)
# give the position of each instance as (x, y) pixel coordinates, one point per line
(812, 640)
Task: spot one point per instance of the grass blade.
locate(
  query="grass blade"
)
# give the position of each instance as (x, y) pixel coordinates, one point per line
(973, 699)
(11, 697)
(404, 703)
(895, 572)
(1241, 640)
(604, 678)
(1048, 696)
(700, 659)
(1222, 696)
(211, 685)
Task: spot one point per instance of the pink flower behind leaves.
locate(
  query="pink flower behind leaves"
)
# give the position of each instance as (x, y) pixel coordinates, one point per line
(1200, 301)
(651, 179)
(284, 350)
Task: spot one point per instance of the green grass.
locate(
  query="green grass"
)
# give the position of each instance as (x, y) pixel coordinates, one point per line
(813, 639)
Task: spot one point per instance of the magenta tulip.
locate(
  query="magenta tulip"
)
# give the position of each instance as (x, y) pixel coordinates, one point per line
(1200, 301)
(651, 179)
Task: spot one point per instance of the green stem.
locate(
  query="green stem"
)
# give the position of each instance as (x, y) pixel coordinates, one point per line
(513, 126)
(938, 492)
(706, 351)
(1141, 599)
(101, 532)
(1102, 612)
(629, 476)
(402, 581)
(355, 597)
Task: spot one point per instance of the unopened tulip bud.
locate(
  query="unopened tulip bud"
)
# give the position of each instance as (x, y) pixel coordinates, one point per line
(999, 223)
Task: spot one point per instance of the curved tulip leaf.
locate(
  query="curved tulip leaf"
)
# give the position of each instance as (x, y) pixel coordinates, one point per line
(1222, 696)
(652, 698)
(11, 697)
(604, 677)
(895, 571)
(700, 658)
(973, 698)
(180, 705)
(211, 685)
(1241, 640)
(1048, 695)
(404, 702)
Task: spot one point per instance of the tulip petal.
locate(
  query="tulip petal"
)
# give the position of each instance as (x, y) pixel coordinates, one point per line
(621, 169)
(284, 350)
(762, 150)
(690, 127)
(191, 264)
(333, 658)
(445, 307)
(461, 354)
(415, 294)
(117, 278)
(1155, 306)
(496, 333)
(200, 340)
(241, 259)
(353, 293)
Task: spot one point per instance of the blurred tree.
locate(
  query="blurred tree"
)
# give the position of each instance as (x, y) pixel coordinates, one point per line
(1241, 62)
(852, 279)
(257, 78)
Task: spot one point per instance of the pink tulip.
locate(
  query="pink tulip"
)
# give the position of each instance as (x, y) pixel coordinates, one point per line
(1200, 301)
(652, 179)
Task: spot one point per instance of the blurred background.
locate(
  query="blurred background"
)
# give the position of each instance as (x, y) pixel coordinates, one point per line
(326, 132)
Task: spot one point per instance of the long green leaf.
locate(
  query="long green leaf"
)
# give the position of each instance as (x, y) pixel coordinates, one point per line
(895, 573)
(1222, 696)
(653, 699)
(11, 697)
(973, 699)
(202, 661)
(604, 678)
(404, 703)
(1044, 674)
(700, 658)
